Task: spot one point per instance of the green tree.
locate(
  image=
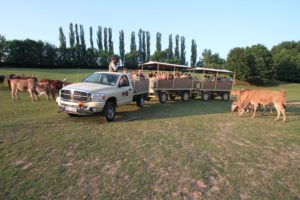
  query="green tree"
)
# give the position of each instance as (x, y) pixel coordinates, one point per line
(77, 46)
(122, 47)
(148, 37)
(99, 39)
(140, 51)
(72, 42)
(286, 61)
(3, 48)
(238, 62)
(262, 68)
(158, 41)
(177, 47)
(182, 51)
(110, 42)
(131, 58)
(132, 42)
(144, 47)
(193, 53)
(91, 38)
(210, 60)
(105, 39)
(82, 46)
(62, 47)
(170, 48)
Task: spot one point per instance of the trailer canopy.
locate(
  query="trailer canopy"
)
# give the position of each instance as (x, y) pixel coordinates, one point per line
(163, 65)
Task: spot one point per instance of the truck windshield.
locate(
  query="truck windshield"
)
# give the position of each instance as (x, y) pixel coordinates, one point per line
(102, 78)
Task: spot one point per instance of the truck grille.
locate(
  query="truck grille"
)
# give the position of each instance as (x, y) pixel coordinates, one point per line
(69, 95)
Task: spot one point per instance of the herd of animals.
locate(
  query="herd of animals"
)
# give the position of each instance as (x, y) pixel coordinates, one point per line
(246, 100)
(22, 83)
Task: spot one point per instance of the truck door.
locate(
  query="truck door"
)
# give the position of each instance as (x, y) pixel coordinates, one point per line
(125, 90)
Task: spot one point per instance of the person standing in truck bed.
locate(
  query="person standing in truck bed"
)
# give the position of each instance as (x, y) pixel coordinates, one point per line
(113, 67)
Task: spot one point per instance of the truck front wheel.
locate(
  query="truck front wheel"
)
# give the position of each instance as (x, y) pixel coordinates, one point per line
(140, 102)
(109, 111)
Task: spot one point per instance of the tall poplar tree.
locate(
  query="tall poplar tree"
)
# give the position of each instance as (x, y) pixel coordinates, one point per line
(148, 45)
(105, 39)
(182, 50)
(177, 47)
(140, 52)
(99, 39)
(158, 41)
(91, 38)
(72, 43)
(132, 42)
(193, 53)
(170, 48)
(110, 42)
(144, 46)
(122, 46)
(62, 39)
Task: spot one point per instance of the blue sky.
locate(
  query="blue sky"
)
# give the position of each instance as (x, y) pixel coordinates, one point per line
(217, 25)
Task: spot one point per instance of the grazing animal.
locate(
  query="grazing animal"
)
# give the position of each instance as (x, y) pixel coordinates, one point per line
(2, 78)
(23, 84)
(53, 86)
(235, 93)
(263, 97)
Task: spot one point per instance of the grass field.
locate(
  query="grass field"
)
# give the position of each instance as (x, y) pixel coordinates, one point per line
(191, 150)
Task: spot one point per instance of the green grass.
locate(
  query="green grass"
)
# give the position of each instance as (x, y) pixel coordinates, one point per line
(178, 150)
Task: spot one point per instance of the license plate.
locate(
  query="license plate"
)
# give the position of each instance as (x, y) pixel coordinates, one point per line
(71, 109)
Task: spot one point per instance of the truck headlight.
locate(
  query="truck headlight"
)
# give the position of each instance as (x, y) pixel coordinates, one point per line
(98, 97)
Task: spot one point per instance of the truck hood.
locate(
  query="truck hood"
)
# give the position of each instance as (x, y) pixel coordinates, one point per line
(88, 87)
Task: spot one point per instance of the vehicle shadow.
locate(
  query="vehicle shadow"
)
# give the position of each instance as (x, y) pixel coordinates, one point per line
(172, 109)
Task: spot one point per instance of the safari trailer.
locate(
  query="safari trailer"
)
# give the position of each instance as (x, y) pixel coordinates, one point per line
(206, 83)
(210, 83)
(168, 88)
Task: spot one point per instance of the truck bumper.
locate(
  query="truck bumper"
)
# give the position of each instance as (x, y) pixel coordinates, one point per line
(79, 108)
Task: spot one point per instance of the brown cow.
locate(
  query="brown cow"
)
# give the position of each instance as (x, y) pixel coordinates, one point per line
(53, 86)
(263, 97)
(235, 93)
(23, 84)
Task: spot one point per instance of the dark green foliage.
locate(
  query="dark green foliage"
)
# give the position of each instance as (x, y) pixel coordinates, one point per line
(194, 53)
(3, 48)
(177, 47)
(238, 62)
(99, 39)
(170, 48)
(286, 61)
(210, 60)
(122, 47)
(158, 41)
(182, 51)
(105, 39)
(148, 46)
(131, 58)
(110, 42)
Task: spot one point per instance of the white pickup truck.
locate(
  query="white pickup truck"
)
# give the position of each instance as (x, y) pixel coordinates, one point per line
(102, 92)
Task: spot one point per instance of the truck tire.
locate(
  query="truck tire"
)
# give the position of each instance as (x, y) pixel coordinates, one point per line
(140, 102)
(185, 96)
(163, 97)
(205, 96)
(225, 96)
(109, 111)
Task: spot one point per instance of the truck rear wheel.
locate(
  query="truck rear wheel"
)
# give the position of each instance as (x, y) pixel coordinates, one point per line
(163, 97)
(185, 96)
(140, 102)
(109, 111)
(205, 96)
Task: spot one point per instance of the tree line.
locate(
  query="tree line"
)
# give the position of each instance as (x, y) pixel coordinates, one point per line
(253, 63)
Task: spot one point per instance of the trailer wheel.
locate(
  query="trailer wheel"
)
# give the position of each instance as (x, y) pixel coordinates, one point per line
(205, 96)
(225, 96)
(185, 96)
(172, 97)
(109, 111)
(163, 97)
(140, 101)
